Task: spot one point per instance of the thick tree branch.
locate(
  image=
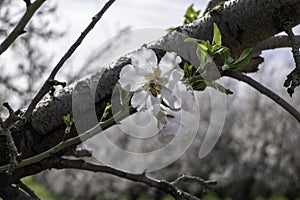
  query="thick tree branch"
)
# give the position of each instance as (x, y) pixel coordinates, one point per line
(19, 29)
(162, 185)
(12, 149)
(265, 91)
(281, 41)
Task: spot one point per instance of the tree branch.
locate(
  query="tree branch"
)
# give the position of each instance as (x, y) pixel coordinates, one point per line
(275, 42)
(101, 126)
(265, 91)
(293, 79)
(27, 190)
(47, 85)
(12, 149)
(165, 186)
(19, 29)
(187, 178)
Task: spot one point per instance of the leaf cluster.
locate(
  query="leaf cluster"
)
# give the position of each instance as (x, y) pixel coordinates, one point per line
(206, 52)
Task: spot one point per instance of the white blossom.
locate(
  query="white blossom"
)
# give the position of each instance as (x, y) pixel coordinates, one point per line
(150, 81)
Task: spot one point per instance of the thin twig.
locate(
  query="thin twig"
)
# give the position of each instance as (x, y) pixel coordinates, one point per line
(27, 190)
(19, 29)
(46, 86)
(262, 89)
(165, 186)
(187, 178)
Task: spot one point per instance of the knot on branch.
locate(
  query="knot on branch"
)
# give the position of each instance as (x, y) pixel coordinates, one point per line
(293, 79)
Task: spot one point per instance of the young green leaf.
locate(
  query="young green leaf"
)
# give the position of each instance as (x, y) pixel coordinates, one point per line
(219, 87)
(191, 15)
(240, 62)
(106, 110)
(193, 40)
(68, 121)
(205, 47)
(217, 39)
(199, 85)
(223, 52)
(188, 70)
(202, 55)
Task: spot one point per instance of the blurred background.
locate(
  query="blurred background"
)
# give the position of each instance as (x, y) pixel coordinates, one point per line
(258, 154)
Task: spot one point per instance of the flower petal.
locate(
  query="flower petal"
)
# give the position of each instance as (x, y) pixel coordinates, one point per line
(170, 98)
(172, 93)
(175, 78)
(169, 62)
(139, 100)
(188, 102)
(131, 79)
(153, 104)
(144, 58)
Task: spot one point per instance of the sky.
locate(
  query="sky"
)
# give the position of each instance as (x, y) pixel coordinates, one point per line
(151, 14)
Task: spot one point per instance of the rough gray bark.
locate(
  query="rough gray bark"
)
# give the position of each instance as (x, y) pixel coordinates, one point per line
(243, 24)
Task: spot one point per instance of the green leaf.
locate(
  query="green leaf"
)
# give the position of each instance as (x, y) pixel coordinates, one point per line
(188, 70)
(191, 15)
(172, 29)
(223, 52)
(204, 47)
(215, 48)
(219, 87)
(228, 91)
(107, 109)
(193, 40)
(202, 55)
(199, 85)
(68, 121)
(240, 62)
(217, 36)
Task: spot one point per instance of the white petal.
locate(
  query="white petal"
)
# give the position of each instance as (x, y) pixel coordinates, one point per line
(172, 93)
(176, 75)
(125, 69)
(153, 104)
(170, 97)
(144, 58)
(169, 62)
(139, 100)
(132, 79)
(188, 102)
